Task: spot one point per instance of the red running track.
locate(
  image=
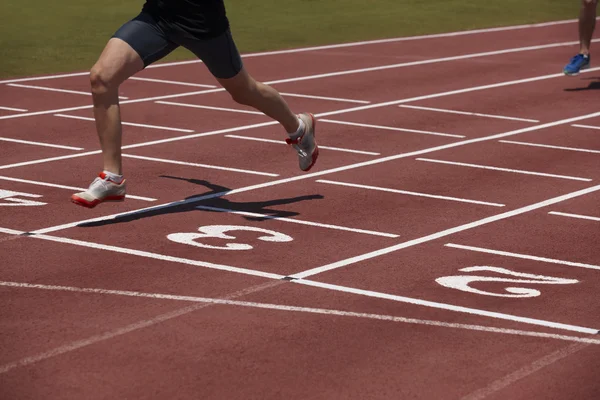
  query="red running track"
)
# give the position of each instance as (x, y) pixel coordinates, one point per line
(443, 247)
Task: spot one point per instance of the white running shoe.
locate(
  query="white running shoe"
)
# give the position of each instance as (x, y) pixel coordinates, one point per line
(101, 189)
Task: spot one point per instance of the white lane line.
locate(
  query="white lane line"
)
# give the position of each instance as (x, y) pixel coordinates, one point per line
(333, 170)
(432, 196)
(579, 216)
(50, 89)
(299, 221)
(164, 128)
(524, 372)
(45, 160)
(11, 231)
(308, 96)
(441, 234)
(523, 256)
(172, 103)
(586, 126)
(244, 171)
(179, 83)
(156, 256)
(326, 47)
(13, 109)
(56, 146)
(450, 307)
(468, 113)
(389, 128)
(310, 310)
(54, 185)
(550, 146)
(339, 73)
(516, 171)
(370, 153)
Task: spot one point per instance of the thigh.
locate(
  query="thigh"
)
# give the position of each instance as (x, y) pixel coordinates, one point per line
(220, 54)
(145, 36)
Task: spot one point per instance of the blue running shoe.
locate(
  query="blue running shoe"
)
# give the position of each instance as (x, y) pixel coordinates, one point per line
(577, 63)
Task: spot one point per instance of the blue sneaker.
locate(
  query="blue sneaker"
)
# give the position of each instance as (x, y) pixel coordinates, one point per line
(577, 63)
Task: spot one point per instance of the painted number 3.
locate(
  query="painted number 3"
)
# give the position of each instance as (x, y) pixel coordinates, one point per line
(461, 282)
(219, 232)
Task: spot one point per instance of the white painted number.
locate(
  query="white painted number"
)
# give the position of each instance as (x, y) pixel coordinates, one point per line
(461, 282)
(218, 231)
(8, 199)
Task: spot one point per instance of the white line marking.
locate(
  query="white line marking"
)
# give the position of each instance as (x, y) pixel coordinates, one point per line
(11, 231)
(333, 170)
(550, 146)
(308, 96)
(303, 78)
(155, 256)
(50, 89)
(586, 126)
(244, 171)
(171, 103)
(326, 47)
(56, 146)
(389, 128)
(320, 146)
(575, 216)
(8, 178)
(298, 221)
(278, 307)
(13, 109)
(432, 196)
(446, 232)
(137, 78)
(450, 307)
(468, 113)
(524, 372)
(523, 256)
(45, 160)
(516, 171)
(165, 128)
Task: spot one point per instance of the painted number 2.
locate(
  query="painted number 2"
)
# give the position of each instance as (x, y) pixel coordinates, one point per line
(461, 282)
(219, 232)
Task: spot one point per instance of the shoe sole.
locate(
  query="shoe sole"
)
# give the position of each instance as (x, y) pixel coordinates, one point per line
(91, 204)
(577, 73)
(315, 153)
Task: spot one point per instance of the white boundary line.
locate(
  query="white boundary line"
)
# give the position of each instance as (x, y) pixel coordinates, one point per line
(13, 109)
(54, 185)
(444, 233)
(468, 113)
(550, 146)
(523, 256)
(327, 47)
(516, 171)
(45, 160)
(309, 96)
(244, 171)
(172, 103)
(56, 146)
(369, 153)
(165, 128)
(51, 89)
(432, 196)
(389, 128)
(179, 83)
(329, 171)
(586, 126)
(579, 216)
(299, 221)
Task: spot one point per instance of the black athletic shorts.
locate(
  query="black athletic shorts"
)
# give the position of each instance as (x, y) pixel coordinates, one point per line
(153, 38)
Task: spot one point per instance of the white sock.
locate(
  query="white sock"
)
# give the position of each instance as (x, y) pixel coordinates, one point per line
(113, 177)
(300, 128)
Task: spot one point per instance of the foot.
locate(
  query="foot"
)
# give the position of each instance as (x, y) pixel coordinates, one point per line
(305, 143)
(577, 63)
(101, 189)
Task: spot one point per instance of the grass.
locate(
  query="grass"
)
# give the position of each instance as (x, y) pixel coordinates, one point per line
(42, 37)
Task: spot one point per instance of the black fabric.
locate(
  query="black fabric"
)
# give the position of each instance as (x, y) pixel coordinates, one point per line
(198, 18)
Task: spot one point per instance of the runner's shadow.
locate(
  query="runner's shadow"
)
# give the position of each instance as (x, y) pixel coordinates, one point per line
(214, 201)
(595, 85)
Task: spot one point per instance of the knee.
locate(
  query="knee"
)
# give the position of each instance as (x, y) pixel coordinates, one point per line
(100, 81)
(243, 95)
(589, 3)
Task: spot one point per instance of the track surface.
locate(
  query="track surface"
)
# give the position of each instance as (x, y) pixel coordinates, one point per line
(445, 246)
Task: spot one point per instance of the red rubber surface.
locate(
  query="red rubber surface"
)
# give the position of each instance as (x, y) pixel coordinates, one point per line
(151, 305)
